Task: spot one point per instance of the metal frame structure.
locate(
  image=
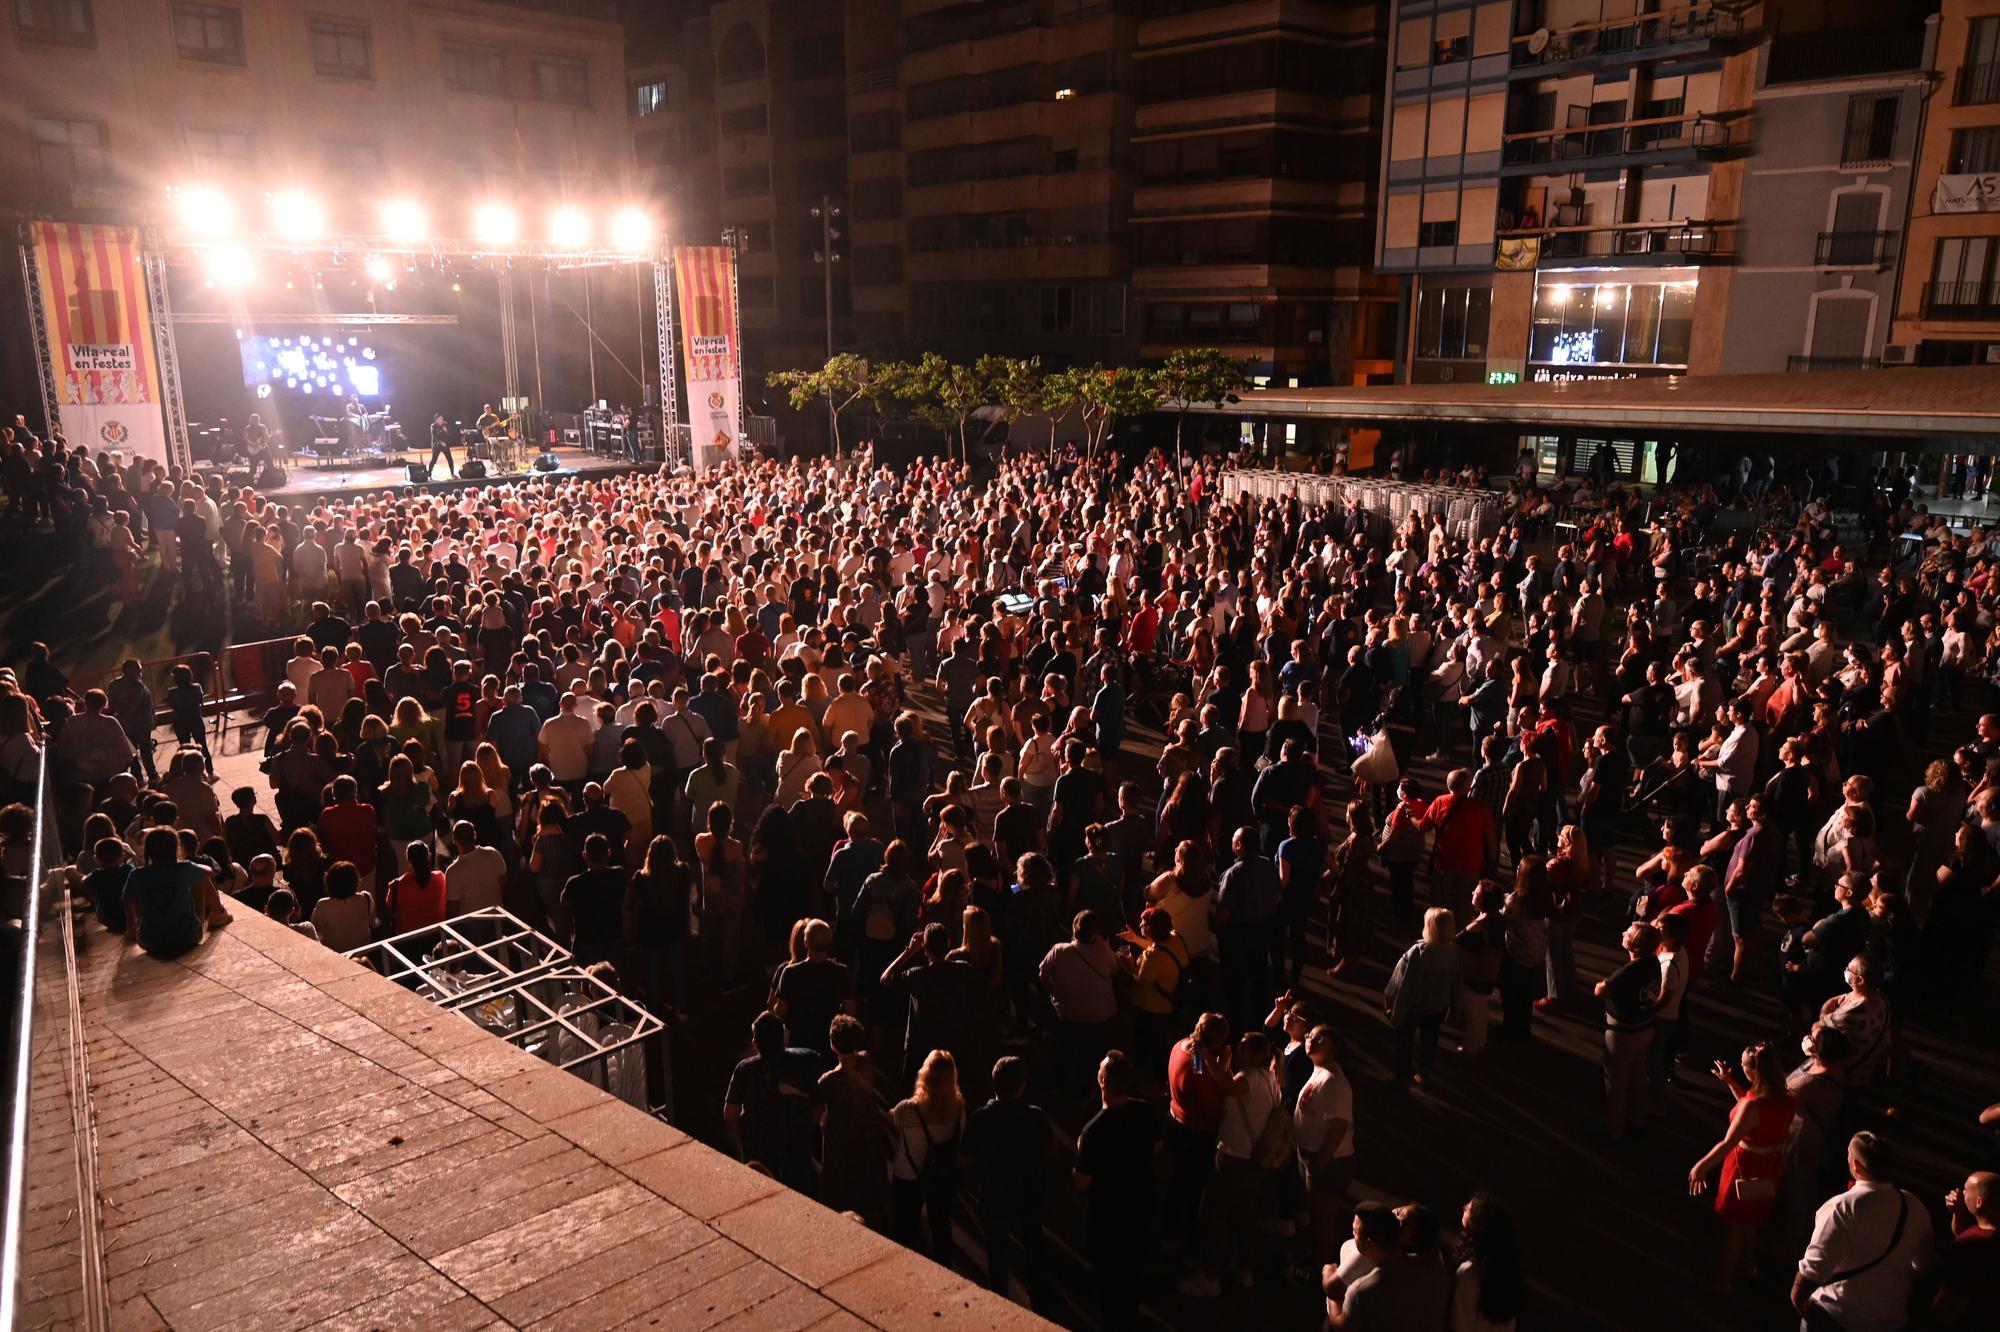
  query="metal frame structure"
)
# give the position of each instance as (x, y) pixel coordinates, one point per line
(154, 261)
(467, 955)
(560, 1015)
(38, 325)
(663, 334)
(160, 243)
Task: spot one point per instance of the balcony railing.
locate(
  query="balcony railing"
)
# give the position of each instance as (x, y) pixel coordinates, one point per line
(1686, 239)
(1626, 36)
(1806, 365)
(1853, 249)
(1962, 300)
(1697, 133)
(1976, 84)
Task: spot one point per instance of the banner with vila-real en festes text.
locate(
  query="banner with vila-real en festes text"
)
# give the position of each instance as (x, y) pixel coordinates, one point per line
(101, 353)
(709, 334)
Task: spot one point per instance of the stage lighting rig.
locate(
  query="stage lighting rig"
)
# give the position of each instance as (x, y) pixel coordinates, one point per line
(495, 224)
(404, 220)
(377, 268)
(202, 209)
(297, 216)
(631, 230)
(569, 227)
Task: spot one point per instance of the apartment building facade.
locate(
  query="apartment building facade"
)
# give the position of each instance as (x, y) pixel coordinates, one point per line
(1840, 106)
(1947, 309)
(1076, 181)
(1255, 138)
(1562, 181)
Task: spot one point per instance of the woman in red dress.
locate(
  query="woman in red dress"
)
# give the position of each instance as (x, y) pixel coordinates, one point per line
(1751, 1153)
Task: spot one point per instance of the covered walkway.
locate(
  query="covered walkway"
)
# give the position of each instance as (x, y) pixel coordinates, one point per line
(1955, 410)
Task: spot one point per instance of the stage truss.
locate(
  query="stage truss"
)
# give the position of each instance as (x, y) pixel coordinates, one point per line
(161, 243)
(38, 325)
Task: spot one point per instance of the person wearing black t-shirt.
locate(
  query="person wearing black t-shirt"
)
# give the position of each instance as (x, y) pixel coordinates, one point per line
(595, 900)
(1114, 1171)
(768, 1104)
(1630, 995)
(461, 717)
(1009, 1144)
(808, 994)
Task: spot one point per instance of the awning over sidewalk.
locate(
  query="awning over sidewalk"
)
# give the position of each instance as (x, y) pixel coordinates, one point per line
(1933, 403)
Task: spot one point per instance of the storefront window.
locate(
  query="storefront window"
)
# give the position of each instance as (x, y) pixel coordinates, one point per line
(1452, 323)
(1612, 322)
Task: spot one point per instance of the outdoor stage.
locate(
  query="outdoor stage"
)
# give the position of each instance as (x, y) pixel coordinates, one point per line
(306, 482)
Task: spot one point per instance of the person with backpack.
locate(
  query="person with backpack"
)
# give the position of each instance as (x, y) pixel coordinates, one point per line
(1869, 1245)
(923, 1168)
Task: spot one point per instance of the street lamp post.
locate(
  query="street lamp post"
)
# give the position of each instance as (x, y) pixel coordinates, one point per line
(828, 214)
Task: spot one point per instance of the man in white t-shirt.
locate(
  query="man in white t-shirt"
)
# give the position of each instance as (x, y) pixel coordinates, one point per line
(477, 876)
(1325, 1121)
(566, 741)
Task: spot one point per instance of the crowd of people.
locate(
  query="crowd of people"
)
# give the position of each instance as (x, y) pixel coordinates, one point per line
(865, 743)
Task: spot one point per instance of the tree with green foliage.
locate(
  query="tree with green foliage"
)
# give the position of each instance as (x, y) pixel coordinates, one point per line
(1102, 397)
(941, 392)
(1194, 375)
(844, 380)
(1018, 386)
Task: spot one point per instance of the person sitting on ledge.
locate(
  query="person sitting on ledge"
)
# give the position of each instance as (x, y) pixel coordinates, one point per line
(168, 901)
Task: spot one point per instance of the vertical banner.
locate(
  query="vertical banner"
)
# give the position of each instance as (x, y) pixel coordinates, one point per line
(101, 354)
(707, 277)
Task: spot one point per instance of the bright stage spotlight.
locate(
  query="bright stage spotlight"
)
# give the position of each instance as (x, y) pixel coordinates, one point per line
(403, 220)
(569, 228)
(377, 267)
(631, 229)
(229, 266)
(495, 224)
(205, 210)
(297, 215)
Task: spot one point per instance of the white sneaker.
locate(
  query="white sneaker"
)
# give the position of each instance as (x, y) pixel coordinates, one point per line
(1199, 1286)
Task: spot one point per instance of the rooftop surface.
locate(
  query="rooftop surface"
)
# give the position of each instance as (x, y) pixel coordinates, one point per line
(1945, 401)
(288, 1141)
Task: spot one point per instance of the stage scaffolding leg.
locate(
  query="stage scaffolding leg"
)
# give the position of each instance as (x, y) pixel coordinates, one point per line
(663, 332)
(179, 455)
(510, 353)
(38, 325)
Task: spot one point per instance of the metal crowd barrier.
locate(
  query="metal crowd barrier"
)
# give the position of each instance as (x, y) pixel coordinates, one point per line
(52, 1265)
(1470, 515)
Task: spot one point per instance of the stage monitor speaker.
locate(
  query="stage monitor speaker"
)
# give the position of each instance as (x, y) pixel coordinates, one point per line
(547, 463)
(474, 469)
(418, 472)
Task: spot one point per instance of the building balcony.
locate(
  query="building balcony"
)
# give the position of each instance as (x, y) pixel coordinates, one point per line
(1976, 85)
(1853, 249)
(1653, 140)
(1687, 240)
(1806, 365)
(1689, 30)
(1972, 301)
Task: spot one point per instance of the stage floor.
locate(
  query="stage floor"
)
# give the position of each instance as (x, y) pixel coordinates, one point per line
(310, 482)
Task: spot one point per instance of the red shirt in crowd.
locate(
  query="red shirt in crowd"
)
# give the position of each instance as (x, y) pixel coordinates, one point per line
(347, 832)
(1464, 829)
(1193, 1088)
